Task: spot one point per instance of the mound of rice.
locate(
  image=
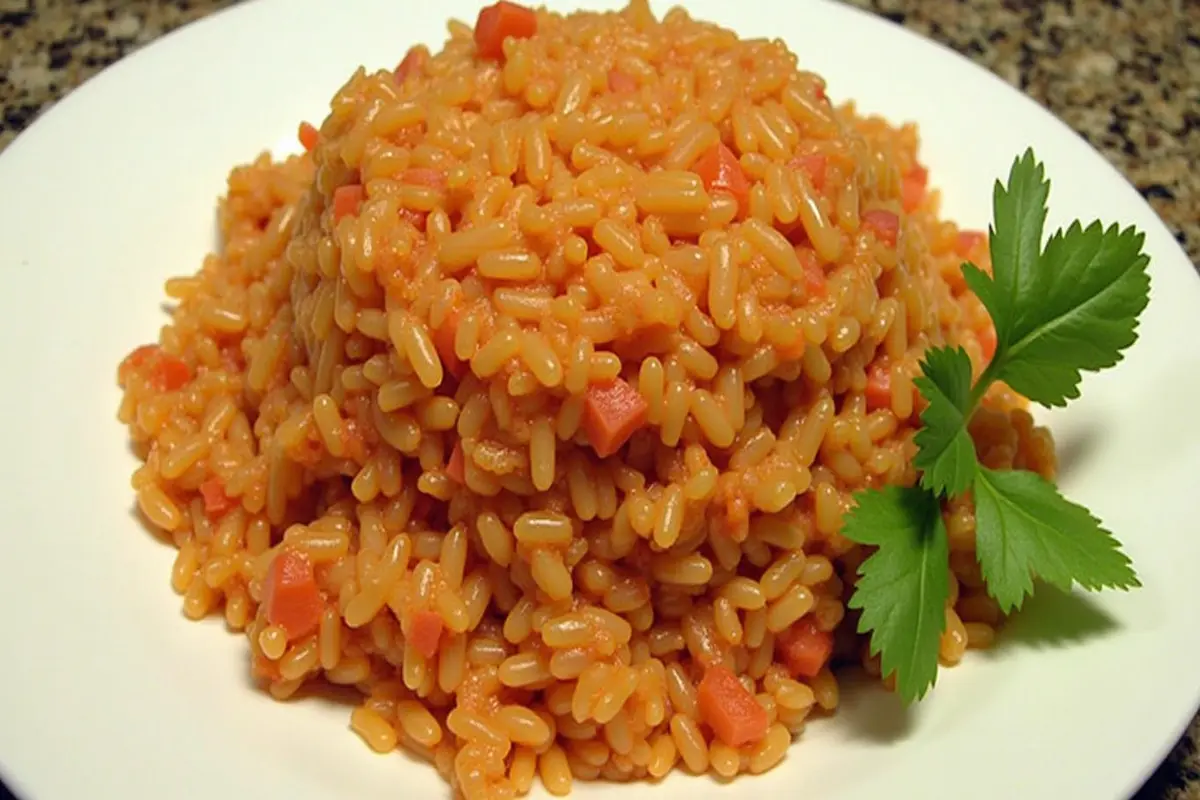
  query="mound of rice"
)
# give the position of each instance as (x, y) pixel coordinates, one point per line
(529, 402)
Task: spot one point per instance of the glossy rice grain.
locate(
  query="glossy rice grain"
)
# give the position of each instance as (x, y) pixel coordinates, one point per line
(398, 390)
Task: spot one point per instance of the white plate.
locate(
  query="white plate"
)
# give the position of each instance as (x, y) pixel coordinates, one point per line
(105, 691)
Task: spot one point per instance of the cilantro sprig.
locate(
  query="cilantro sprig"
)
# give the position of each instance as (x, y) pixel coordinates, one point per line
(1060, 309)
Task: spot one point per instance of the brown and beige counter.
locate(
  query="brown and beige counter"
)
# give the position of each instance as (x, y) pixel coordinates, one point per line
(1123, 73)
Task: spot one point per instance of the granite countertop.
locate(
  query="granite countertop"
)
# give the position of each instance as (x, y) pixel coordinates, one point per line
(1123, 73)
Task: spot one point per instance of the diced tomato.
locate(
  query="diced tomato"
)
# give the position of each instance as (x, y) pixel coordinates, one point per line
(611, 414)
(309, 136)
(290, 595)
(967, 242)
(912, 188)
(720, 170)
(499, 22)
(879, 385)
(216, 502)
(347, 200)
(443, 342)
(456, 467)
(411, 64)
(166, 372)
(884, 224)
(814, 167)
(620, 83)
(732, 713)
(804, 648)
(171, 373)
(425, 632)
(134, 361)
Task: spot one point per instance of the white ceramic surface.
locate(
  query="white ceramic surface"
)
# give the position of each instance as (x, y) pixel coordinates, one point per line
(105, 690)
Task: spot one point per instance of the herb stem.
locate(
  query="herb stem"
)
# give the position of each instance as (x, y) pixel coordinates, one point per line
(986, 379)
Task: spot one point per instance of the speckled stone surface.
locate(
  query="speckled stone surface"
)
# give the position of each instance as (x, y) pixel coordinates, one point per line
(1125, 74)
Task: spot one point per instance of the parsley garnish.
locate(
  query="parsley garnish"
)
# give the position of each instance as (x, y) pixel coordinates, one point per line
(946, 454)
(902, 579)
(1060, 310)
(1025, 528)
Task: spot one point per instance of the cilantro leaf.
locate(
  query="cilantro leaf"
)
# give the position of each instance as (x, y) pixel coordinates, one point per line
(1019, 215)
(946, 456)
(1089, 288)
(903, 586)
(1061, 311)
(1058, 311)
(1024, 527)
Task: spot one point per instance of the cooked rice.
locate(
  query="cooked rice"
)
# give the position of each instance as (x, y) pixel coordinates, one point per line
(570, 244)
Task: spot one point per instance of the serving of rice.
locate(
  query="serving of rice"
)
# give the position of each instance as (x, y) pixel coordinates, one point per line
(532, 397)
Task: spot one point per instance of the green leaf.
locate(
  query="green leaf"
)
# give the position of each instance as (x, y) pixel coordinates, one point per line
(903, 586)
(1019, 215)
(1025, 528)
(1062, 311)
(1089, 288)
(946, 455)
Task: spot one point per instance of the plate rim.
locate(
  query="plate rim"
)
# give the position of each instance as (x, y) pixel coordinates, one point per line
(65, 105)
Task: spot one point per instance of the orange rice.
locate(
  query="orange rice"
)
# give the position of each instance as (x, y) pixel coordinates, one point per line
(514, 406)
